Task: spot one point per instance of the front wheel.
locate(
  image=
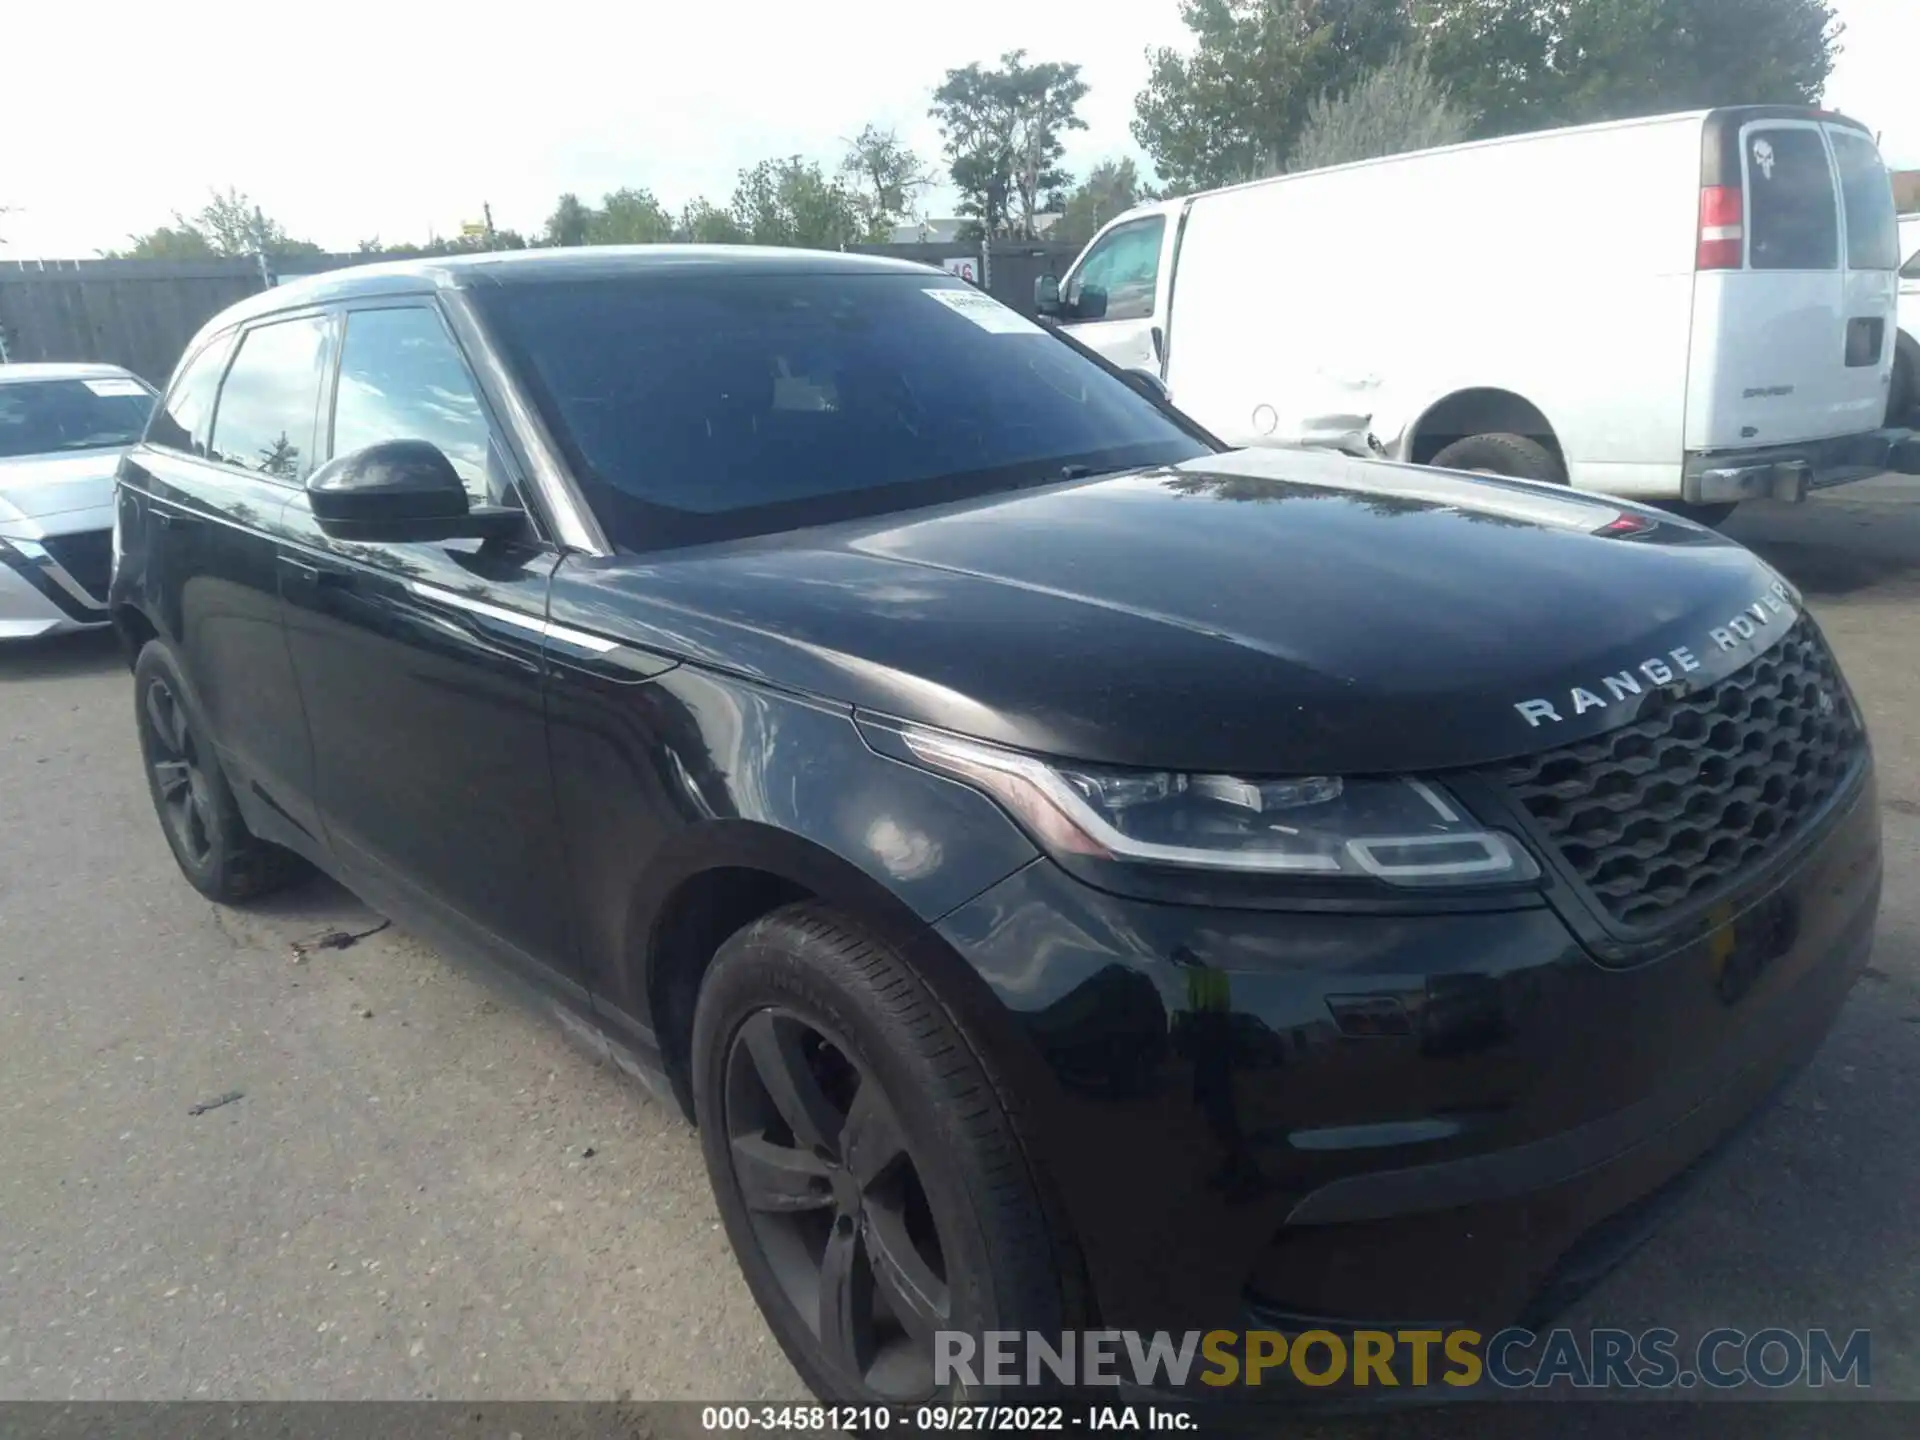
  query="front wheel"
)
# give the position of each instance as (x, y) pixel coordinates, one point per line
(862, 1159)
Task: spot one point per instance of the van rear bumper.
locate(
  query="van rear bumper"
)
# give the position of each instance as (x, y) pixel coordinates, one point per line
(1788, 472)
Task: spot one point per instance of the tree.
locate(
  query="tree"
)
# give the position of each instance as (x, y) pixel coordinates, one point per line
(454, 245)
(1398, 107)
(1003, 132)
(229, 225)
(1233, 109)
(884, 178)
(569, 222)
(704, 223)
(1530, 64)
(791, 202)
(167, 242)
(629, 217)
(1111, 188)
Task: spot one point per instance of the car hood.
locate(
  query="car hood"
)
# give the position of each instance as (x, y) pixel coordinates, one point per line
(1262, 611)
(36, 486)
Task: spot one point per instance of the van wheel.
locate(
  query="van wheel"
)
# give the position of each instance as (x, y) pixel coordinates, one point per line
(1709, 515)
(862, 1160)
(1904, 395)
(220, 857)
(1514, 456)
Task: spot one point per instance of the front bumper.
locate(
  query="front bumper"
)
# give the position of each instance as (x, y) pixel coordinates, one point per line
(1788, 472)
(40, 596)
(1256, 1119)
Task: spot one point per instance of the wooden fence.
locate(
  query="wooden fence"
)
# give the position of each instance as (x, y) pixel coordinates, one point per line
(141, 313)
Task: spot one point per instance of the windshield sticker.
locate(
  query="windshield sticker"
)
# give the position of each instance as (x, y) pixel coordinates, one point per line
(985, 311)
(1763, 157)
(107, 389)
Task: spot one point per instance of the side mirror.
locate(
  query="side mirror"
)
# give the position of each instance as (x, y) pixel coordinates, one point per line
(1090, 304)
(1046, 295)
(401, 490)
(1149, 384)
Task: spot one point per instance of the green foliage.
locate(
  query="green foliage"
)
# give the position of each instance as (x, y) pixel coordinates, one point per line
(1397, 108)
(1003, 130)
(167, 243)
(629, 217)
(884, 177)
(456, 245)
(1111, 188)
(791, 202)
(1530, 64)
(1233, 109)
(569, 222)
(227, 225)
(704, 223)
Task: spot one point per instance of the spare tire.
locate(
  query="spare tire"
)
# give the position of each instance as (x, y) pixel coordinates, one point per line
(1515, 456)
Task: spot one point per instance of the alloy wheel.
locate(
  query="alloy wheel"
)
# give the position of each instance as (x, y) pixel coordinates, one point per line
(180, 782)
(821, 1163)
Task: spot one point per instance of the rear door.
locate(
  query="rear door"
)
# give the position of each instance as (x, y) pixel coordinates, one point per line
(1791, 342)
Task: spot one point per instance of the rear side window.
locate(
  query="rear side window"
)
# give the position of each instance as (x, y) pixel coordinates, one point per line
(1126, 265)
(1793, 216)
(265, 417)
(1866, 192)
(181, 422)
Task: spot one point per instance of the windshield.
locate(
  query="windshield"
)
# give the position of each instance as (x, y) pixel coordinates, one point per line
(699, 408)
(42, 417)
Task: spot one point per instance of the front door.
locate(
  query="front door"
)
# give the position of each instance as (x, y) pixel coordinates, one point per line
(420, 665)
(1110, 297)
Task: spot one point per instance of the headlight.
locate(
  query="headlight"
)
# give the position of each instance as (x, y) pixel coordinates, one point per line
(1400, 831)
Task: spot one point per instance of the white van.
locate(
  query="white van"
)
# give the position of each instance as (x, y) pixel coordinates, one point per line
(1692, 309)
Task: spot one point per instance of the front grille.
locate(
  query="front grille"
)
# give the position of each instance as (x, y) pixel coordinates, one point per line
(87, 557)
(1679, 805)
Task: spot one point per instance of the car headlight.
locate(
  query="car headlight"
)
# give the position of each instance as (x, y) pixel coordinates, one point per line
(1400, 831)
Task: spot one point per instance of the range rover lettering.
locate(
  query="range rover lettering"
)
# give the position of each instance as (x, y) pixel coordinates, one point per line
(1074, 875)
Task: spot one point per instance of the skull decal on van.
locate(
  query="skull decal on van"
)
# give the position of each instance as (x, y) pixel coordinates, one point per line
(1763, 157)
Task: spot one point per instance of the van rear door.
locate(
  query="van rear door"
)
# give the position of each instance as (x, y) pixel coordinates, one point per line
(1794, 289)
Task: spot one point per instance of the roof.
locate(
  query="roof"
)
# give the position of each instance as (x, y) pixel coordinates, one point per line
(514, 267)
(38, 370)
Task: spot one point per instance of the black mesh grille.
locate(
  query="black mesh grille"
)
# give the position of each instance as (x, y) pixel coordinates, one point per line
(1678, 805)
(87, 557)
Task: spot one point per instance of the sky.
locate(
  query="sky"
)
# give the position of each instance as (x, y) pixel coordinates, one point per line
(345, 120)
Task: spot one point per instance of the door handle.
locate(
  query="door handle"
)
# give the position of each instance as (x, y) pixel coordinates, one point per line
(305, 574)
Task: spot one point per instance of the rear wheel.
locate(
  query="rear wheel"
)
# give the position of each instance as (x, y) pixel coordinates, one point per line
(1904, 396)
(1518, 457)
(220, 857)
(863, 1162)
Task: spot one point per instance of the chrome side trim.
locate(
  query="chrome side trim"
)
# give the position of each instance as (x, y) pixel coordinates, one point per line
(533, 624)
(36, 553)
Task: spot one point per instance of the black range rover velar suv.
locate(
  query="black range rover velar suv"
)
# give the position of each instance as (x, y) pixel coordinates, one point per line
(1074, 876)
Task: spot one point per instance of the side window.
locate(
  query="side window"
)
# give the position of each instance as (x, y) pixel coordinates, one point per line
(1911, 270)
(402, 378)
(1792, 213)
(181, 421)
(1866, 192)
(1125, 264)
(264, 420)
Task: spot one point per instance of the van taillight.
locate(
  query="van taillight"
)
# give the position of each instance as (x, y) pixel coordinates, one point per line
(1722, 232)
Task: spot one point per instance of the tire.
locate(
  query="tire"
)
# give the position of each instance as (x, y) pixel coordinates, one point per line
(807, 1005)
(1515, 456)
(220, 857)
(1711, 516)
(1904, 395)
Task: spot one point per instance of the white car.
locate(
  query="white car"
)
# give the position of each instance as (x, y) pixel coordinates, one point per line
(62, 431)
(1689, 309)
(1906, 363)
